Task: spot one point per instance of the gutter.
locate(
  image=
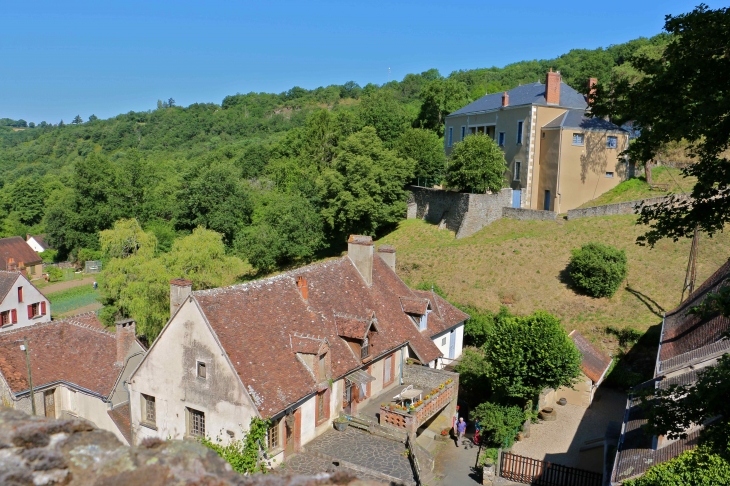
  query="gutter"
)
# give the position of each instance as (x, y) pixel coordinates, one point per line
(51, 384)
(659, 351)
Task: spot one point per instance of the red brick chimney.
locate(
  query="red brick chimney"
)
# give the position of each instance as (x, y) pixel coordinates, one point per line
(11, 265)
(505, 99)
(592, 82)
(552, 88)
(303, 288)
(125, 338)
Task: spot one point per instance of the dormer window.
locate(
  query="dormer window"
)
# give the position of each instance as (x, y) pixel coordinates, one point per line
(423, 321)
(365, 349)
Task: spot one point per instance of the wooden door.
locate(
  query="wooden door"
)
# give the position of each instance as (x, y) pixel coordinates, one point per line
(289, 431)
(49, 403)
(347, 399)
(452, 344)
(546, 205)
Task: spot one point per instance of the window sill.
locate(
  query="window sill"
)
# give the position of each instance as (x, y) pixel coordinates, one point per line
(148, 425)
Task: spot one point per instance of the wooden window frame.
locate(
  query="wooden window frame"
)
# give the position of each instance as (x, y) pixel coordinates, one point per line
(274, 433)
(201, 370)
(145, 416)
(386, 382)
(20, 294)
(323, 415)
(191, 426)
(6, 318)
(520, 129)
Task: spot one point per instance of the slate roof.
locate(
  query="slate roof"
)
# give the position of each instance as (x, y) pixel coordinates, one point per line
(594, 363)
(74, 350)
(16, 248)
(577, 119)
(7, 282)
(255, 321)
(121, 418)
(688, 337)
(527, 94)
(41, 240)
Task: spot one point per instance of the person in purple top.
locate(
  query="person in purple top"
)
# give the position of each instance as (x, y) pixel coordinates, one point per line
(461, 429)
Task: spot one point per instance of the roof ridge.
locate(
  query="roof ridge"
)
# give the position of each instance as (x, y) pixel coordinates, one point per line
(65, 320)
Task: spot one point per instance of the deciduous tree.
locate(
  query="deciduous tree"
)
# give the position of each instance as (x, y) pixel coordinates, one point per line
(476, 164)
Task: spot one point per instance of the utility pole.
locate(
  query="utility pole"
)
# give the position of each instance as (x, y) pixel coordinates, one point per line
(24, 347)
(691, 275)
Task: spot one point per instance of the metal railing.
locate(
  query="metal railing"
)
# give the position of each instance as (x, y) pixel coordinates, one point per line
(527, 470)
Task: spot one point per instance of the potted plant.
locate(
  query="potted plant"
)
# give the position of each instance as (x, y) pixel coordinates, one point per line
(341, 423)
(412, 409)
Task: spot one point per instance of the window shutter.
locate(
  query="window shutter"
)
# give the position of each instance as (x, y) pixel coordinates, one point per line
(30, 312)
(43, 308)
(20, 294)
(14, 316)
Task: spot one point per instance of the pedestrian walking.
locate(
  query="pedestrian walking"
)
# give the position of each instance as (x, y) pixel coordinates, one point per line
(461, 429)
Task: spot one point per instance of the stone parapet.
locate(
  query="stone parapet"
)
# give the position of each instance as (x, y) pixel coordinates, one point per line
(523, 214)
(628, 207)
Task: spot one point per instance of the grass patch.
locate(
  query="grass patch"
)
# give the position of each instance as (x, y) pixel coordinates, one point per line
(637, 188)
(485, 271)
(68, 300)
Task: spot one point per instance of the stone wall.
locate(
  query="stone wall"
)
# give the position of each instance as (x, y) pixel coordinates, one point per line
(464, 214)
(37, 450)
(628, 207)
(527, 214)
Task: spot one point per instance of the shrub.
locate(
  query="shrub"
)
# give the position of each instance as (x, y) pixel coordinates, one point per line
(699, 466)
(48, 256)
(243, 454)
(598, 269)
(500, 423)
(54, 274)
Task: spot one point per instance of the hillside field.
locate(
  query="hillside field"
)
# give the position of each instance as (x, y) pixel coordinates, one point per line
(637, 188)
(522, 264)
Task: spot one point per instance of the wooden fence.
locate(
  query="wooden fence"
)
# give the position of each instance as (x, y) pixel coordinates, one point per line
(542, 473)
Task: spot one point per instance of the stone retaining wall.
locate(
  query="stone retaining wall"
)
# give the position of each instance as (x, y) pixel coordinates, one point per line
(628, 207)
(527, 214)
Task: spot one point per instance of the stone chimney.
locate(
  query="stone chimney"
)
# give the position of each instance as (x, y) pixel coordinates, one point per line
(387, 253)
(360, 252)
(592, 82)
(125, 338)
(180, 289)
(552, 88)
(505, 99)
(11, 265)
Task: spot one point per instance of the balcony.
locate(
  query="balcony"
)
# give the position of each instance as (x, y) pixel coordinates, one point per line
(412, 419)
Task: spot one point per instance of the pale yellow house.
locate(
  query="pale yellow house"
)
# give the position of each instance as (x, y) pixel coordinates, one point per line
(558, 157)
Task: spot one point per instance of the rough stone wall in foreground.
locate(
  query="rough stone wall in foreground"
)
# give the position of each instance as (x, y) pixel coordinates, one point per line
(41, 451)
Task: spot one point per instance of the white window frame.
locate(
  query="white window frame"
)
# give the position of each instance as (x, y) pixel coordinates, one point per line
(451, 137)
(500, 139)
(145, 420)
(609, 175)
(520, 128)
(608, 142)
(463, 132)
(518, 168)
(582, 139)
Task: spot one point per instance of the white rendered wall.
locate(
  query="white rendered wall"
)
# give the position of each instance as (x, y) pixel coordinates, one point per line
(31, 295)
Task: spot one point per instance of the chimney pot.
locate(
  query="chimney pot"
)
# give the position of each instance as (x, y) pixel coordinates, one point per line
(505, 99)
(303, 287)
(360, 252)
(552, 88)
(180, 289)
(387, 254)
(126, 334)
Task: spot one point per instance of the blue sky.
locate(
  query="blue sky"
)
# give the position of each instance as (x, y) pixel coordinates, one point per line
(60, 59)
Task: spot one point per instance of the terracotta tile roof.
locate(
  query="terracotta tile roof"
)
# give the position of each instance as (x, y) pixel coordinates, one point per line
(413, 305)
(444, 316)
(594, 363)
(16, 248)
(121, 418)
(41, 240)
(352, 327)
(71, 350)
(687, 337)
(255, 323)
(7, 282)
(307, 344)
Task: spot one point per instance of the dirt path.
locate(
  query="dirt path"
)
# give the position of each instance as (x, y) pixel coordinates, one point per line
(57, 287)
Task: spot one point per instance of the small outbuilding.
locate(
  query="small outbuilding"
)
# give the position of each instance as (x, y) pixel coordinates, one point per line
(594, 367)
(38, 243)
(17, 256)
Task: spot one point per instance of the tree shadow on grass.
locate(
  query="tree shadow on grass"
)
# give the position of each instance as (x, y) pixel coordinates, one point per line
(650, 303)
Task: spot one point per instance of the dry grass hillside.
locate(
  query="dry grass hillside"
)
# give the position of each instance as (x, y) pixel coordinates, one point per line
(522, 264)
(638, 188)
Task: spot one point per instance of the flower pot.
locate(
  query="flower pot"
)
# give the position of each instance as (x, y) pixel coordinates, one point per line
(341, 426)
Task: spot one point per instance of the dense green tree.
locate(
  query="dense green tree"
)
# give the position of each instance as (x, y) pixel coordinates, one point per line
(383, 112)
(693, 467)
(426, 149)
(285, 228)
(474, 372)
(77, 120)
(214, 196)
(687, 82)
(93, 118)
(439, 98)
(476, 164)
(530, 353)
(598, 269)
(125, 239)
(364, 190)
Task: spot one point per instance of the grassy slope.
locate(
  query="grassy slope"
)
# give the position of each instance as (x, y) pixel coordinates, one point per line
(522, 263)
(637, 188)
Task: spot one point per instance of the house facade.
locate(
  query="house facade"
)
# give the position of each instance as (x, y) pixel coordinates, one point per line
(78, 370)
(21, 303)
(37, 243)
(557, 157)
(297, 349)
(17, 255)
(689, 343)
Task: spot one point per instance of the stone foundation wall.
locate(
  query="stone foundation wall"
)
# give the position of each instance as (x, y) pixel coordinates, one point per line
(528, 214)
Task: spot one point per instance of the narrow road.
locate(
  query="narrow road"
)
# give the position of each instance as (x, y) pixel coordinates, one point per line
(57, 287)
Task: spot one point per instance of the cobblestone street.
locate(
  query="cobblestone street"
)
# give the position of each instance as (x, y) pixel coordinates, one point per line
(308, 464)
(365, 450)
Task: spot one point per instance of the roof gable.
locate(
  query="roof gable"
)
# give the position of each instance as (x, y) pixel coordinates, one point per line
(19, 250)
(7, 282)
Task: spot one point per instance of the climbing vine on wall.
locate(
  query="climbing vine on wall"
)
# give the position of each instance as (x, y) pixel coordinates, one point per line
(244, 455)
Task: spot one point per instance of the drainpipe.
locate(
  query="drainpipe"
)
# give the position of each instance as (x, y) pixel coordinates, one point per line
(560, 154)
(401, 366)
(131, 422)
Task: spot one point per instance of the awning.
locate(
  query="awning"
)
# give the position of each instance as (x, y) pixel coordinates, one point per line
(360, 377)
